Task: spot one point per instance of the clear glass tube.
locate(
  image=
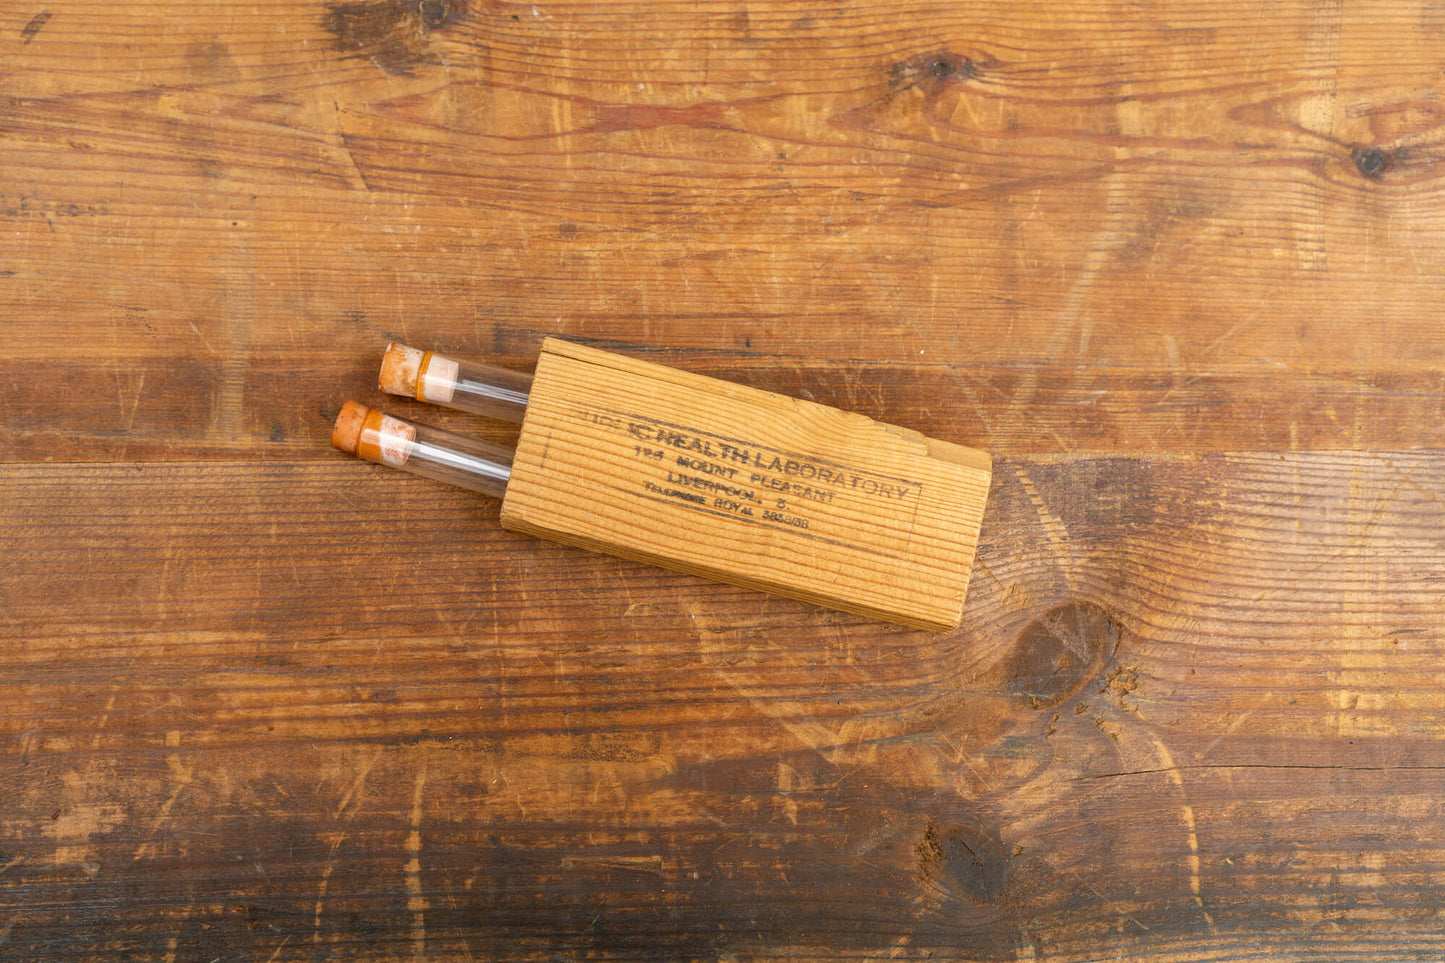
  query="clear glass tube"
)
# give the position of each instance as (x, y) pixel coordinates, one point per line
(460, 461)
(469, 463)
(486, 390)
(481, 389)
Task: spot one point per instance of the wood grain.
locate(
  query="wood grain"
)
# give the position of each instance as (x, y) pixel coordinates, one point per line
(1178, 266)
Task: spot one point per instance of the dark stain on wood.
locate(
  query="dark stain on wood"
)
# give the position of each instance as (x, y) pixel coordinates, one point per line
(391, 34)
(37, 23)
(1116, 493)
(213, 61)
(435, 13)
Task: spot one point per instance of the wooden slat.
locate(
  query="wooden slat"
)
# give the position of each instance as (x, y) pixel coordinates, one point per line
(245, 697)
(1023, 227)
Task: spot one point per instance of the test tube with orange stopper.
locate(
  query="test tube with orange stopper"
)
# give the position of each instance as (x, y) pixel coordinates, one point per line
(443, 455)
(455, 383)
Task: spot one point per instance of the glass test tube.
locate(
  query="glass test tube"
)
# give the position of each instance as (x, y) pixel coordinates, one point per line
(457, 460)
(481, 389)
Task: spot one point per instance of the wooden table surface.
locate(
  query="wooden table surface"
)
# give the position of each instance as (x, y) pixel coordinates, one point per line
(1178, 266)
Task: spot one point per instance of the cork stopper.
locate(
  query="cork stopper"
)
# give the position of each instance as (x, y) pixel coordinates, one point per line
(347, 432)
(399, 368)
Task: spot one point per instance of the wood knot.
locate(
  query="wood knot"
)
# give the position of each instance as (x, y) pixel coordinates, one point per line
(1372, 161)
(435, 13)
(1060, 651)
(964, 861)
(934, 70)
(949, 67)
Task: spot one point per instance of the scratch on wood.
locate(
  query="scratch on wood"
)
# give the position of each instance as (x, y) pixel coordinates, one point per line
(1318, 113)
(637, 864)
(1053, 525)
(326, 872)
(104, 718)
(134, 407)
(355, 176)
(355, 788)
(793, 718)
(1229, 730)
(182, 776)
(1118, 909)
(209, 347)
(415, 902)
(1186, 811)
(352, 795)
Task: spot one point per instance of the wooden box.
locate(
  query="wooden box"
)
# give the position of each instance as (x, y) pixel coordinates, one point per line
(746, 486)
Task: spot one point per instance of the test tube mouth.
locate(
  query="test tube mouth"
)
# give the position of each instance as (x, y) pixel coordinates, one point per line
(399, 368)
(346, 434)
